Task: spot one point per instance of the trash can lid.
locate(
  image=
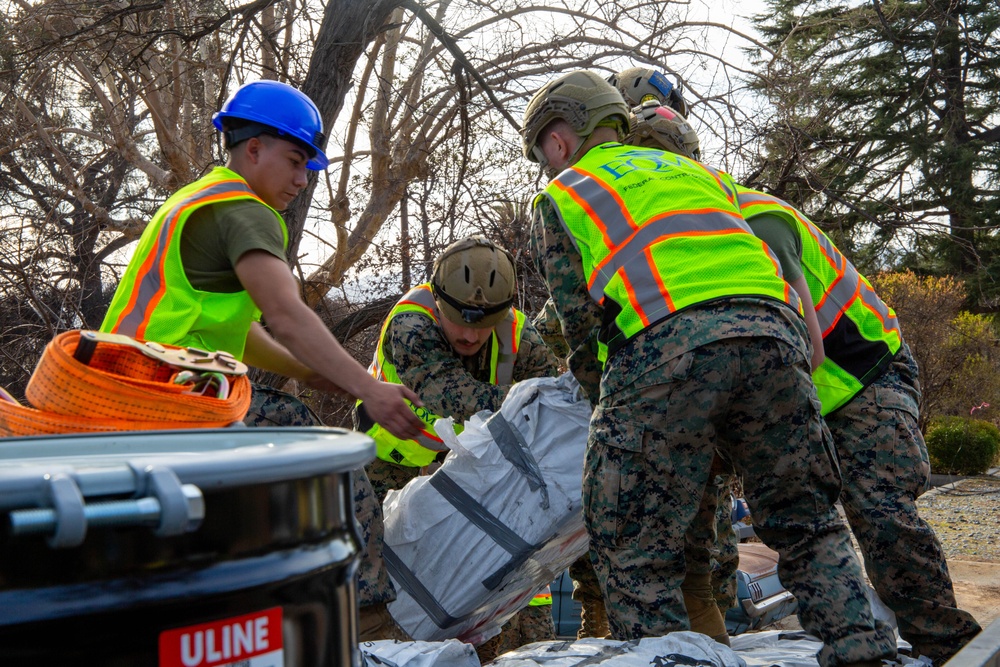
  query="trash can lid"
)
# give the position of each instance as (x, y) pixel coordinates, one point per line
(104, 464)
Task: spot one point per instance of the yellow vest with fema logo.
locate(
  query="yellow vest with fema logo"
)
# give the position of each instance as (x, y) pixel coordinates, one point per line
(505, 340)
(861, 334)
(155, 301)
(649, 248)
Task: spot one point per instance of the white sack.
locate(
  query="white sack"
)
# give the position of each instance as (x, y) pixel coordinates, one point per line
(681, 648)
(392, 653)
(470, 545)
(795, 649)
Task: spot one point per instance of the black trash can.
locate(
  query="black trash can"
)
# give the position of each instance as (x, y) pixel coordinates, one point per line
(180, 548)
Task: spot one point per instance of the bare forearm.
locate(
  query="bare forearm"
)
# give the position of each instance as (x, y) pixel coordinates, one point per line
(263, 351)
(316, 352)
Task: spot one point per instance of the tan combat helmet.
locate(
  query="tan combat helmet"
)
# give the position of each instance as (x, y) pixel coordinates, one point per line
(656, 126)
(581, 98)
(639, 84)
(474, 282)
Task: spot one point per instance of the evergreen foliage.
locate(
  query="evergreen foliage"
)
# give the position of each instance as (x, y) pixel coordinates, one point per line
(962, 446)
(886, 129)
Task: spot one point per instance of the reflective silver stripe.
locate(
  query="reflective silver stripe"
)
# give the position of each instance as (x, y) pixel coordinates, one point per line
(505, 342)
(422, 296)
(626, 239)
(722, 182)
(558, 213)
(838, 296)
(874, 303)
(849, 285)
(605, 206)
(433, 445)
(672, 224)
(150, 284)
(652, 305)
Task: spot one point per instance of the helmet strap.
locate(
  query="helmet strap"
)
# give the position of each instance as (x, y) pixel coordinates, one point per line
(248, 131)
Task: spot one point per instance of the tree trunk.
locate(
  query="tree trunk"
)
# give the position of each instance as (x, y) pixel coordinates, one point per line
(347, 29)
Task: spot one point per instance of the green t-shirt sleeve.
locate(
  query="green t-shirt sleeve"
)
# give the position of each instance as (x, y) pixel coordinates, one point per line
(217, 235)
(783, 238)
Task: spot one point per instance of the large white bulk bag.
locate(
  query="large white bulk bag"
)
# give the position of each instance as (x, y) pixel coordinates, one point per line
(471, 544)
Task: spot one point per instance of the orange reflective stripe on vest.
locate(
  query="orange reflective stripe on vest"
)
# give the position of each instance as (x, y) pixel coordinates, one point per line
(150, 282)
(652, 247)
(423, 449)
(860, 332)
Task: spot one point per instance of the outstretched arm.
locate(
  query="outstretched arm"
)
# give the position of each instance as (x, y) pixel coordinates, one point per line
(305, 349)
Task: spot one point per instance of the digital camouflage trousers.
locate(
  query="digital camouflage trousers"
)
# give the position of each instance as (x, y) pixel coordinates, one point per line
(652, 440)
(884, 463)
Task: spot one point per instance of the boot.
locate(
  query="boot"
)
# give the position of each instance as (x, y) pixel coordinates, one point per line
(702, 610)
(593, 619)
(375, 623)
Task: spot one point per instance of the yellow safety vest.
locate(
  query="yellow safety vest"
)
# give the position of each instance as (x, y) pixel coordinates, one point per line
(861, 334)
(155, 301)
(650, 249)
(505, 341)
(542, 599)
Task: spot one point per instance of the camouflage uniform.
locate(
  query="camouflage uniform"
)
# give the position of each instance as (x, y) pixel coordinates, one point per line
(731, 375)
(270, 407)
(449, 384)
(710, 557)
(530, 625)
(883, 459)
(452, 385)
(884, 463)
(703, 547)
(548, 326)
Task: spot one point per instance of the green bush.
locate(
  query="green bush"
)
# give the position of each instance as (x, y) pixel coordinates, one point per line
(962, 446)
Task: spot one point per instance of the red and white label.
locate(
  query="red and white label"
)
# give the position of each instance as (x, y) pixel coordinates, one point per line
(251, 640)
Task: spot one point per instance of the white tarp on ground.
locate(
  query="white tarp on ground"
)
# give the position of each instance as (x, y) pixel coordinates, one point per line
(794, 649)
(471, 544)
(391, 653)
(754, 649)
(677, 648)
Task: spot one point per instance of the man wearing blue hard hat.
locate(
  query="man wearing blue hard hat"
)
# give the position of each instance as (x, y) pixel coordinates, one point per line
(212, 261)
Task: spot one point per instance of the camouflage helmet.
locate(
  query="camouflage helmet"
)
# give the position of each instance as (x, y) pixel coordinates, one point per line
(474, 282)
(656, 126)
(639, 84)
(581, 98)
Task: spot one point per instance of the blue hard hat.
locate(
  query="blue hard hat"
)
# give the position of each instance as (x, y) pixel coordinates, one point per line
(282, 108)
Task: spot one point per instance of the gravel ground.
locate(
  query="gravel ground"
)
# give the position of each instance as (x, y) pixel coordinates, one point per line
(966, 517)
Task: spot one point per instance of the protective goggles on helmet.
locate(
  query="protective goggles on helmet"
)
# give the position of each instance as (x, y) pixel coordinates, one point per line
(470, 314)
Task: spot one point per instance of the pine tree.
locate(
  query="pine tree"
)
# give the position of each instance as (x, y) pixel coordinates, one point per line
(887, 128)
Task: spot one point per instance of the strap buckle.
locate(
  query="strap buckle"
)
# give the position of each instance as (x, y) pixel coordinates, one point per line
(190, 358)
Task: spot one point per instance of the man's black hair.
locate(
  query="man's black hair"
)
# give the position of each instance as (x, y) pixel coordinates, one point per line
(237, 130)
